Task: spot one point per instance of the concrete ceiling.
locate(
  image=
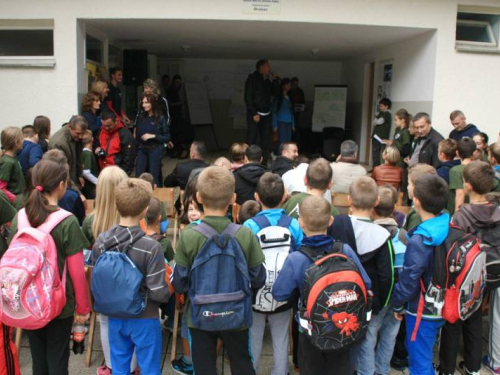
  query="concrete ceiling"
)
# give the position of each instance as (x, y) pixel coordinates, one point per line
(250, 39)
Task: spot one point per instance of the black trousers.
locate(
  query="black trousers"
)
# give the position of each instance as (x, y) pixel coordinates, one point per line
(259, 133)
(377, 149)
(50, 347)
(315, 362)
(450, 342)
(204, 351)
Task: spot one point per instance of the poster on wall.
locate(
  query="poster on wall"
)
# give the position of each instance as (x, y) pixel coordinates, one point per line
(384, 82)
(262, 6)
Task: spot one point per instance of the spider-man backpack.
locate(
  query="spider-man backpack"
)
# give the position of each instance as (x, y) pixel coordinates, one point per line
(336, 306)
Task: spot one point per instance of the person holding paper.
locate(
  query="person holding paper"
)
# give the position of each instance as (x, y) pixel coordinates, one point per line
(381, 129)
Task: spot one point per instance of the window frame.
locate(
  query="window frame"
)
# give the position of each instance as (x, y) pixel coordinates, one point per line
(477, 23)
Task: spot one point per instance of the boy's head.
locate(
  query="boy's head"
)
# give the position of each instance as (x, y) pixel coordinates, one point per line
(148, 177)
(319, 175)
(363, 193)
(465, 148)
(253, 154)
(30, 133)
(388, 198)
(88, 139)
(494, 153)
(248, 210)
(132, 197)
(215, 188)
(391, 155)
(430, 194)
(153, 215)
(223, 162)
(270, 190)
(447, 150)
(478, 177)
(237, 151)
(384, 104)
(416, 171)
(481, 140)
(315, 215)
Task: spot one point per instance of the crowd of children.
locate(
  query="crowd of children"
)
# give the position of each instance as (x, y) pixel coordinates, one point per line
(357, 292)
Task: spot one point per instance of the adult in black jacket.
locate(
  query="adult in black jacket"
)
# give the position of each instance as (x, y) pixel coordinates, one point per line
(181, 172)
(249, 174)
(283, 163)
(425, 149)
(260, 87)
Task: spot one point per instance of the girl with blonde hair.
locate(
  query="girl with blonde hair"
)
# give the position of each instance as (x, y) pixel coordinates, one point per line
(104, 217)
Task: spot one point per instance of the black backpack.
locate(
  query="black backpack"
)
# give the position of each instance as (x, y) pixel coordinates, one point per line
(336, 306)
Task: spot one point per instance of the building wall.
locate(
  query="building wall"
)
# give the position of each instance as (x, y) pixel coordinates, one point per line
(470, 82)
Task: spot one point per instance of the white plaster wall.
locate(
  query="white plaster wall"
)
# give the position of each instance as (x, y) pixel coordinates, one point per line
(467, 81)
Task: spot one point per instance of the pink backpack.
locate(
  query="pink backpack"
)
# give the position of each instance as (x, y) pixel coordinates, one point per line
(33, 293)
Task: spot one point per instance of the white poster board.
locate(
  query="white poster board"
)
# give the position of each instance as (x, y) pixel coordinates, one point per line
(198, 104)
(262, 6)
(329, 107)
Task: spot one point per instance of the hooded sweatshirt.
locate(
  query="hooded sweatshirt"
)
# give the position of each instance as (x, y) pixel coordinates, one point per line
(419, 264)
(146, 254)
(247, 178)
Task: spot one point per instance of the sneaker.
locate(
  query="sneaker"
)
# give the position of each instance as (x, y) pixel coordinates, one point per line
(180, 366)
(103, 370)
(399, 364)
(486, 363)
(464, 371)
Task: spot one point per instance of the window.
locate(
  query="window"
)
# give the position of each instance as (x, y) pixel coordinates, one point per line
(477, 32)
(94, 49)
(26, 42)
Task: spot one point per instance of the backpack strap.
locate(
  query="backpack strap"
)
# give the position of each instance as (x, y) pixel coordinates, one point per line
(420, 311)
(54, 219)
(231, 229)
(338, 246)
(309, 253)
(262, 221)
(285, 221)
(207, 231)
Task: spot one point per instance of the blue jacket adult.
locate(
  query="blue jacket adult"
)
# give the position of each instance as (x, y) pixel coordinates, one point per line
(283, 111)
(159, 127)
(419, 264)
(273, 215)
(31, 154)
(291, 277)
(469, 131)
(443, 170)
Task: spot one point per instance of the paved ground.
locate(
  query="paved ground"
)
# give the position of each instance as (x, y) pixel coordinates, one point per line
(77, 362)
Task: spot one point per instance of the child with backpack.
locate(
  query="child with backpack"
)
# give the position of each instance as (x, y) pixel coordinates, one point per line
(430, 197)
(482, 219)
(11, 174)
(333, 316)
(126, 259)
(383, 215)
(318, 180)
(465, 151)
(373, 245)
(447, 152)
(153, 219)
(60, 275)
(278, 235)
(223, 260)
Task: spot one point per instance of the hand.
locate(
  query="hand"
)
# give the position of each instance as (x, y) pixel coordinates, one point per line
(170, 144)
(407, 160)
(398, 316)
(126, 120)
(81, 319)
(275, 76)
(97, 150)
(147, 136)
(82, 181)
(256, 118)
(388, 142)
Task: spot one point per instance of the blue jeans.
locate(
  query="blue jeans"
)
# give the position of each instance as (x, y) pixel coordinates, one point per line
(420, 351)
(375, 357)
(149, 160)
(284, 134)
(143, 335)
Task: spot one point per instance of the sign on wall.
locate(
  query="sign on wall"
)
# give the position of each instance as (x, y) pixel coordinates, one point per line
(262, 6)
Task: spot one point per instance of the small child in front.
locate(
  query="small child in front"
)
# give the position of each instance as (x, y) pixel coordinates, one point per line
(144, 333)
(430, 195)
(315, 217)
(216, 192)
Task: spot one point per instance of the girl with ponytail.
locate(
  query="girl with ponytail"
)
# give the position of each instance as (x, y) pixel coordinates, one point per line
(50, 345)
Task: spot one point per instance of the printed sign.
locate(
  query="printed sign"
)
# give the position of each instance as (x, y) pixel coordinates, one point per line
(262, 6)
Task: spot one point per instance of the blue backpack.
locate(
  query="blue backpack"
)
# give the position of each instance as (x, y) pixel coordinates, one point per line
(219, 287)
(399, 251)
(116, 285)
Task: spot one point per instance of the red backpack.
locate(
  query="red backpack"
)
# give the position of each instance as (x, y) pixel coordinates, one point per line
(337, 306)
(458, 279)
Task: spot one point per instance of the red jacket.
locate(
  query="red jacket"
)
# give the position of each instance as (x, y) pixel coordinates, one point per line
(119, 146)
